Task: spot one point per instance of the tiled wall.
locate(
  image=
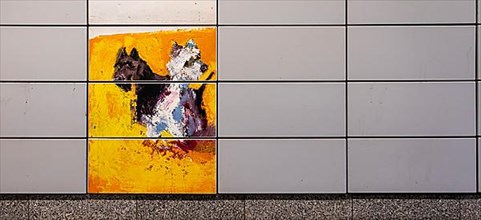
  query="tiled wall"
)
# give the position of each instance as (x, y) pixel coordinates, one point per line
(319, 96)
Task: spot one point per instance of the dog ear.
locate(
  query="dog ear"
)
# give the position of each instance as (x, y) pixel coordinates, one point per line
(191, 44)
(134, 54)
(122, 53)
(175, 50)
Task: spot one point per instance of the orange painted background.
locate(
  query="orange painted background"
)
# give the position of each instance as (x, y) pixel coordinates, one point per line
(137, 166)
(153, 47)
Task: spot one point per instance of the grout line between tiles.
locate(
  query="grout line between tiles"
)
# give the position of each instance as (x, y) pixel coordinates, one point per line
(217, 98)
(87, 100)
(476, 86)
(241, 137)
(346, 40)
(246, 25)
(246, 81)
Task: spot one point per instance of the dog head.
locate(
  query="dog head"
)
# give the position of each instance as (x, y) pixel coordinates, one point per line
(185, 63)
(130, 67)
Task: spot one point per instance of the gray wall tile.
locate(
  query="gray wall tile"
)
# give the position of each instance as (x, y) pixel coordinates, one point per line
(152, 12)
(42, 166)
(32, 110)
(281, 166)
(281, 12)
(411, 165)
(278, 53)
(411, 52)
(43, 53)
(294, 109)
(419, 11)
(479, 49)
(43, 12)
(417, 109)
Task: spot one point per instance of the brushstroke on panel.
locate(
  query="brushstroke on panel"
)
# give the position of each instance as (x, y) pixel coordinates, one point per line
(168, 108)
(151, 166)
(174, 108)
(147, 100)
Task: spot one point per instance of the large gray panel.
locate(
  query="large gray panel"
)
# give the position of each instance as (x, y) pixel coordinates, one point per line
(412, 165)
(277, 53)
(380, 109)
(479, 49)
(41, 53)
(411, 11)
(152, 12)
(282, 166)
(42, 166)
(32, 110)
(43, 12)
(273, 109)
(411, 52)
(479, 164)
(281, 12)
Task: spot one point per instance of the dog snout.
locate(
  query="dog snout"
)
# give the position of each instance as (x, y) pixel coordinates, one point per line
(204, 67)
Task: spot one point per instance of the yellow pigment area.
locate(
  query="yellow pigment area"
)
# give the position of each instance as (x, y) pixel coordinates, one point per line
(131, 166)
(137, 166)
(111, 110)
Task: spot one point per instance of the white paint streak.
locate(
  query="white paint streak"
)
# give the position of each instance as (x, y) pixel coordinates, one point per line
(175, 92)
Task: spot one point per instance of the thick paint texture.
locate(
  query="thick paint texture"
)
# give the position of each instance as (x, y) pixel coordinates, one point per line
(157, 105)
(111, 107)
(154, 47)
(148, 166)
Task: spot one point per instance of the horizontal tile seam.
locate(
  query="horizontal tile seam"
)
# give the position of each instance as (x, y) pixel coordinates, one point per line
(237, 81)
(235, 138)
(243, 25)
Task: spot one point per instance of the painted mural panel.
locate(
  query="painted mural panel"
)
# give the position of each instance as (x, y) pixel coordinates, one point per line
(152, 166)
(115, 112)
(152, 86)
(156, 104)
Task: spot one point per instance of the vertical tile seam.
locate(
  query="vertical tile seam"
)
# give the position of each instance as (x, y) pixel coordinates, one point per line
(476, 92)
(87, 99)
(346, 95)
(217, 98)
(0, 120)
